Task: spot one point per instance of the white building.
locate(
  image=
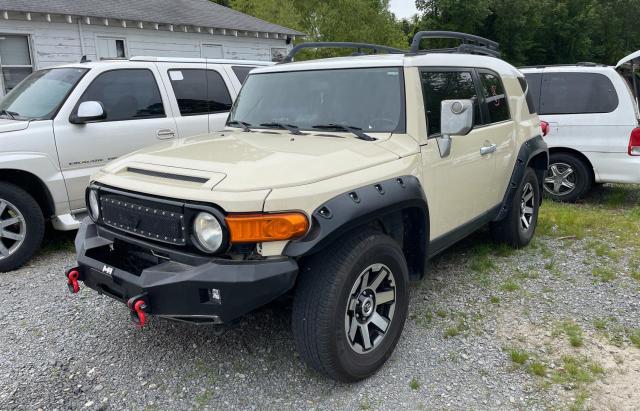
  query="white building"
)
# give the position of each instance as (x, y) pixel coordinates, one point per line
(39, 33)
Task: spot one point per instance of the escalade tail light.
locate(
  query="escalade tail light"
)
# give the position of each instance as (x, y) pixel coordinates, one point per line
(634, 142)
(545, 128)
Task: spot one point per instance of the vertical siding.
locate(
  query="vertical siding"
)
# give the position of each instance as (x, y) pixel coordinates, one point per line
(58, 42)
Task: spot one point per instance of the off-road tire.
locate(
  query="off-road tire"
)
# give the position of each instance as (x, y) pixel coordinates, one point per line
(33, 220)
(320, 304)
(582, 177)
(511, 230)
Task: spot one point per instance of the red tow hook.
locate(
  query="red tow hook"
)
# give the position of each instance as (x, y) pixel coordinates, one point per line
(138, 308)
(72, 280)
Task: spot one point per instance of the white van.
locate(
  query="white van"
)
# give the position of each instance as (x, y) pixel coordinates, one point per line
(60, 125)
(592, 113)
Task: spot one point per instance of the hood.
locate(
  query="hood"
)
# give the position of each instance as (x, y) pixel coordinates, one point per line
(243, 161)
(7, 125)
(629, 58)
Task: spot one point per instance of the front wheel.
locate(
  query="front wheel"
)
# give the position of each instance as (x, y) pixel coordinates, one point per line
(21, 227)
(518, 227)
(350, 306)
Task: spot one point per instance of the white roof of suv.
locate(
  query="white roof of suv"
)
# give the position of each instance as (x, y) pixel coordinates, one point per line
(398, 60)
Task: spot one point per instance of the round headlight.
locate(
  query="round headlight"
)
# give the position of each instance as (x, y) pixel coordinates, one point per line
(208, 232)
(94, 207)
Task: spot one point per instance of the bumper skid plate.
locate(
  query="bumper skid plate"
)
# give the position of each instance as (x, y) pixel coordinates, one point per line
(216, 291)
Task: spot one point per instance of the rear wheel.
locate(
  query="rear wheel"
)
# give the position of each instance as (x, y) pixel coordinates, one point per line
(350, 306)
(21, 227)
(518, 227)
(567, 179)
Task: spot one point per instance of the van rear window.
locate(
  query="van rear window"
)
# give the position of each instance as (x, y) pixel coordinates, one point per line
(577, 93)
(532, 94)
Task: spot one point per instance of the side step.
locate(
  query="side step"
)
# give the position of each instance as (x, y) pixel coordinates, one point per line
(68, 222)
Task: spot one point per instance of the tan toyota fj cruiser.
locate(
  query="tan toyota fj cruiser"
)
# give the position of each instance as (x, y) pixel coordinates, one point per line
(335, 181)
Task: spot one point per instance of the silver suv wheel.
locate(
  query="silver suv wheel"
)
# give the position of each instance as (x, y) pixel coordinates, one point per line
(13, 229)
(370, 308)
(560, 179)
(527, 207)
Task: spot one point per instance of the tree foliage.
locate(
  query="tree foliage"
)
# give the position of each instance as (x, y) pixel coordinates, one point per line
(530, 32)
(542, 31)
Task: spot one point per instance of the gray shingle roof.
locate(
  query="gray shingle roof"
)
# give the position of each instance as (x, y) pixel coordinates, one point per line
(203, 13)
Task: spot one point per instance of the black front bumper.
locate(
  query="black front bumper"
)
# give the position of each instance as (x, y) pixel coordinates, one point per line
(182, 289)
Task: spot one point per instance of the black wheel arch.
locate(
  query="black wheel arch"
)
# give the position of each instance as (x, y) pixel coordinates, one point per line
(33, 185)
(398, 207)
(533, 153)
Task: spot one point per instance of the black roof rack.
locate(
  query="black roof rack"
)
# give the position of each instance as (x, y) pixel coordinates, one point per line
(342, 45)
(470, 44)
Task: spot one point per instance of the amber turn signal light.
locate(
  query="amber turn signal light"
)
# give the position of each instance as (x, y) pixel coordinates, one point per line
(258, 228)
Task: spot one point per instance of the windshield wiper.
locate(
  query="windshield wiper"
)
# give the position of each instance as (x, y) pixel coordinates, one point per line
(242, 124)
(11, 114)
(354, 130)
(290, 127)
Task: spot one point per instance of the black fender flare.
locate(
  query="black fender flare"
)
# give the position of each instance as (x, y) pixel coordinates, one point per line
(530, 149)
(360, 206)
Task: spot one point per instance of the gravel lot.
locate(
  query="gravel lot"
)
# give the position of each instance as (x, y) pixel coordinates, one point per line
(555, 325)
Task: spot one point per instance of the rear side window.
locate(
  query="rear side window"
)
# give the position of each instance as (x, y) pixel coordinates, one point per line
(200, 91)
(242, 72)
(127, 94)
(577, 93)
(446, 85)
(534, 81)
(495, 97)
(526, 89)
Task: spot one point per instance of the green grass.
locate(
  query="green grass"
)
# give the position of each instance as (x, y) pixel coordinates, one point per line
(441, 313)
(600, 324)
(610, 213)
(518, 356)
(634, 337)
(573, 333)
(509, 285)
(414, 384)
(494, 299)
(576, 371)
(460, 327)
(604, 274)
(538, 368)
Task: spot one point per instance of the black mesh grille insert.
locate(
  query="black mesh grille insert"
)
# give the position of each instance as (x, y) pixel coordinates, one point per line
(155, 221)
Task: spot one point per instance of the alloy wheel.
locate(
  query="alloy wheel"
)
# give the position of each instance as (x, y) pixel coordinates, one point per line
(370, 308)
(527, 207)
(560, 179)
(13, 229)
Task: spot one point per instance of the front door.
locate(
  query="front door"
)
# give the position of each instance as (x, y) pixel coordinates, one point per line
(460, 184)
(136, 116)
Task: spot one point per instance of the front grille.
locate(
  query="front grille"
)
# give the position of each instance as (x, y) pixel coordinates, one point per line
(152, 220)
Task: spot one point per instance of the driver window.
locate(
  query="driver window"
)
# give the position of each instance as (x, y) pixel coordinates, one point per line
(446, 85)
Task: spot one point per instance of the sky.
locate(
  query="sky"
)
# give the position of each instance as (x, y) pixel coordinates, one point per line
(403, 8)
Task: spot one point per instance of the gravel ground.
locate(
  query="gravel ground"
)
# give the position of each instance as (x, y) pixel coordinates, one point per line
(476, 305)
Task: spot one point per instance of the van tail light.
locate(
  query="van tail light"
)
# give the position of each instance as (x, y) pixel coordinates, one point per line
(545, 128)
(634, 142)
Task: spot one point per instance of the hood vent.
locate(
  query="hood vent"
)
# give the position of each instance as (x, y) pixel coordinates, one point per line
(170, 176)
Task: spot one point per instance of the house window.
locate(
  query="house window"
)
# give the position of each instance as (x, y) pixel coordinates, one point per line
(110, 48)
(15, 61)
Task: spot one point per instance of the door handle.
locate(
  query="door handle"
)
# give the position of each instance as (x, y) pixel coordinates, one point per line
(488, 149)
(166, 133)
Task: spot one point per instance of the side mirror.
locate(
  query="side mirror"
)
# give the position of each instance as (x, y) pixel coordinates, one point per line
(88, 112)
(456, 119)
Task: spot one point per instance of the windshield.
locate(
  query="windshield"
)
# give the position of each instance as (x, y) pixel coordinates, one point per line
(39, 96)
(371, 99)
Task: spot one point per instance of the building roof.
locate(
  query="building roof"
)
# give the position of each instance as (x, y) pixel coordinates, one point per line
(200, 13)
